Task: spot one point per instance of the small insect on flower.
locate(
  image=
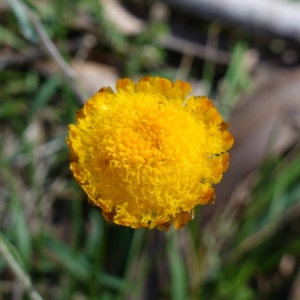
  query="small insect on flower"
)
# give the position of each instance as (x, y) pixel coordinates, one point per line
(146, 155)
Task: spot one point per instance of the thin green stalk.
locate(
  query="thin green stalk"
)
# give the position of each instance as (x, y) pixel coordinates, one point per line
(136, 244)
(18, 270)
(178, 271)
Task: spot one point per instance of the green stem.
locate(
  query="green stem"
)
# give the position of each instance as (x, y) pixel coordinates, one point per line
(136, 244)
(18, 270)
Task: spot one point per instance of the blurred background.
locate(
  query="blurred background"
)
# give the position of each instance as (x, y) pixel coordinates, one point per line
(242, 54)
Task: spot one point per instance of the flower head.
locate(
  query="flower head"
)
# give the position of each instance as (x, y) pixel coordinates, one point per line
(146, 155)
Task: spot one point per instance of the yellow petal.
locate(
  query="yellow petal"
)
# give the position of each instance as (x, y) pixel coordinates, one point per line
(212, 116)
(144, 85)
(225, 161)
(180, 90)
(106, 90)
(80, 114)
(162, 86)
(216, 165)
(125, 85)
(209, 197)
(228, 140)
(182, 218)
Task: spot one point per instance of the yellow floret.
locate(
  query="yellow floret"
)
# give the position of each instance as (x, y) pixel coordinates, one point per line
(147, 156)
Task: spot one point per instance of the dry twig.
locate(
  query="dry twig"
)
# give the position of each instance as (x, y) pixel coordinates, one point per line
(52, 51)
(18, 271)
(282, 18)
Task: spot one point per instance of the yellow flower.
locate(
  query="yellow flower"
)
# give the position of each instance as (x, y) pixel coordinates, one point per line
(146, 155)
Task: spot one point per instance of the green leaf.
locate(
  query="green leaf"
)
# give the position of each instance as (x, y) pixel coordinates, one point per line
(95, 236)
(11, 109)
(23, 20)
(13, 251)
(74, 263)
(177, 269)
(19, 231)
(11, 39)
(45, 93)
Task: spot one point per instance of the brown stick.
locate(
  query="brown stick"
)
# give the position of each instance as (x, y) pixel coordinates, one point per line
(281, 18)
(52, 51)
